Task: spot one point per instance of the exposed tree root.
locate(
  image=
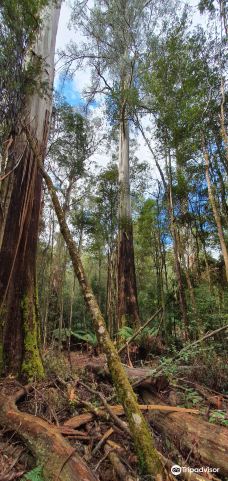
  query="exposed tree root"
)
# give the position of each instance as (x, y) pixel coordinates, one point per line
(59, 460)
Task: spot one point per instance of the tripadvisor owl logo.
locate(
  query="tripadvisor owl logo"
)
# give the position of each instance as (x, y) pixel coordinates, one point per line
(176, 470)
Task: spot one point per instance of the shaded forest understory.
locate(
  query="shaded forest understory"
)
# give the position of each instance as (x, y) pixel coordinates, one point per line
(185, 406)
(114, 241)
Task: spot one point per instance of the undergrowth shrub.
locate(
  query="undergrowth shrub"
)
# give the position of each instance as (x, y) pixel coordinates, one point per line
(56, 365)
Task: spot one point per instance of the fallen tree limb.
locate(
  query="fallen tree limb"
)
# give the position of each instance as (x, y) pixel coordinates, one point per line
(106, 435)
(138, 376)
(198, 386)
(122, 425)
(59, 460)
(139, 331)
(67, 431)
(78, 421)
(155, 372)
(208, 442)
(118, 410)
(211, 399)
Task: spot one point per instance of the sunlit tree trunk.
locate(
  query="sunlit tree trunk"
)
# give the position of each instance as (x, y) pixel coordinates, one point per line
(127, 309)
(18, 303)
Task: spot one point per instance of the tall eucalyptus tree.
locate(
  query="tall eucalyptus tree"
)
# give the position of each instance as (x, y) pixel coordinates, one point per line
(18, 303)
(114, 32)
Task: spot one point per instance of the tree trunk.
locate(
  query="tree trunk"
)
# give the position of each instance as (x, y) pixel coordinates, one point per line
(18, 276)
(127, 310)
(173, 229)
(72, 297)
(111, 301)
(144, 444)
(215, 210)
(6, 185)
(47, 287)
(18, 304)
(207, 442)
(222, 119)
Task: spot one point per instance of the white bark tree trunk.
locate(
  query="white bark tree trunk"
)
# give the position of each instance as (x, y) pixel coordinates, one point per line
(37, 109)
(19, 334)
(40, 107)
(124, 180)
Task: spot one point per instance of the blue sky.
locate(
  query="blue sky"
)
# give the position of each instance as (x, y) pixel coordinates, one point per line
(67, 88)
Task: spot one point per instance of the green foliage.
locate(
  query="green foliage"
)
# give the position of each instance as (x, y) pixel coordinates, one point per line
(218, 417)
(178, 85)
(192, 397)
(35, 474)
(81, 335)
(63, 334)
(169, 367)
(70, 139)
(125, 332)
(19, 25)
(56, 365)
(89, 337)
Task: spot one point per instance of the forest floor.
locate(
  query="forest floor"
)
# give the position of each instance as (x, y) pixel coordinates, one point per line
(71, 399)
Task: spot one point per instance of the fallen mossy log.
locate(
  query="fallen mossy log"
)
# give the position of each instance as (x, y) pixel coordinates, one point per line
(207, 443)
(118, 410)
(81, 419)
(139, 377)
(59, 460)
